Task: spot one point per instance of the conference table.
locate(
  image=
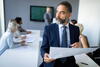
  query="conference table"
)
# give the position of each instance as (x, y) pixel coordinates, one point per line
(29, 55)
(83, 60)
(23, 56)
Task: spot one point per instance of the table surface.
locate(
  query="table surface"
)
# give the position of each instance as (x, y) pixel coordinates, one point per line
(29, 56)
(84, 60)
(24, 56)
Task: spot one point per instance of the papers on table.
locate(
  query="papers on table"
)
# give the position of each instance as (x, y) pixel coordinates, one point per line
(58, 52)
(29, 38)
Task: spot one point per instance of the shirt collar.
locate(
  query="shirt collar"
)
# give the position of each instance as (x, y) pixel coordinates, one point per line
(61, 25)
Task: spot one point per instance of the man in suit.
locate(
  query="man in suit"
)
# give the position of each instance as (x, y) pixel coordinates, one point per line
(61, 34)
(48, 16)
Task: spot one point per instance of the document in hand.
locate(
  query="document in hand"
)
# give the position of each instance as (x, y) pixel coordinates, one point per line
(59, 52)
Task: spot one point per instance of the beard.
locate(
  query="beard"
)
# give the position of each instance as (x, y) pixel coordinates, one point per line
(62, 21)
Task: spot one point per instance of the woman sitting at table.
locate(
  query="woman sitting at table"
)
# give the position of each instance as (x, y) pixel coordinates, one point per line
(6, 41)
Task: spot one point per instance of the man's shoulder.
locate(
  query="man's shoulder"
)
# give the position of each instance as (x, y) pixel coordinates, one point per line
(52, 25)
(73, 26)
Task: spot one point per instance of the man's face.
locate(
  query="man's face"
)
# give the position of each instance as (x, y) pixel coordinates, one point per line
(62, 14)
(48, 10)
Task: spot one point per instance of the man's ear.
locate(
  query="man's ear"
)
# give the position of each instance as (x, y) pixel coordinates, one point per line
(70, 14)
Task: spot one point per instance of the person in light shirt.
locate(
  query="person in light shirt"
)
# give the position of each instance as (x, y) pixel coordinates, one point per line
(20, 29)
(6, 41)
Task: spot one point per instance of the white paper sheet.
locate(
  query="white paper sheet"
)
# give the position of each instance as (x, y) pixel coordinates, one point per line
(29, 38)
(58, 52)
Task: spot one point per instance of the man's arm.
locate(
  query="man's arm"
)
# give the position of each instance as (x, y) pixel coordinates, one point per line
(45, 44)
(21, 29)
(77, 34)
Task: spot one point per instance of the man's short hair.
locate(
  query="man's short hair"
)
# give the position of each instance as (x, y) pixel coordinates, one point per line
(18, 20)
(67, 5)
(74, 21)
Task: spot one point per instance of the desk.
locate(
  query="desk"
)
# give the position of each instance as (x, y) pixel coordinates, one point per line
(29, 56)
(25, 56)
(85, 59)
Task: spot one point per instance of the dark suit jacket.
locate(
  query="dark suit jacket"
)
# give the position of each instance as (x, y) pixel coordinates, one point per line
(51, 39)
(48, 18)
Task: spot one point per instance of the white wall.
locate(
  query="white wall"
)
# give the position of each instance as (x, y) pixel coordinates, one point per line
(2, 28)
(21, 8)
(89, 16)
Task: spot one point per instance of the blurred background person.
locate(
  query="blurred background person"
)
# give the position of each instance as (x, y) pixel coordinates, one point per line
(83, 38)
(19, 22)
(20, 29)
(48, 16)
(6, 41)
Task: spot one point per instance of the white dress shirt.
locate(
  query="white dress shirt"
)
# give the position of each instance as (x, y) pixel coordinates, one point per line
(7, 42)
(61, 31)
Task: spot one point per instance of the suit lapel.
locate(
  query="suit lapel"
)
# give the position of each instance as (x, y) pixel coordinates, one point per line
(57, 34)
(71, 33)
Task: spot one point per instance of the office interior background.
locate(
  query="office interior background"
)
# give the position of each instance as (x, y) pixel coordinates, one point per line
(85, 12)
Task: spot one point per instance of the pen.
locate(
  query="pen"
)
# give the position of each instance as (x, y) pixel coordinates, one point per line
(83, 63)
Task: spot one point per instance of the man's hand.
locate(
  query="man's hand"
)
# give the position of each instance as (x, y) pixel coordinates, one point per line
(23, 37)
(28, 32)
(22, 43)
(75, 45)
(47, 59)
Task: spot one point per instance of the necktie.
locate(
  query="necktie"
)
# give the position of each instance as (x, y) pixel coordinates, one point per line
(64, 37)
(64, 42)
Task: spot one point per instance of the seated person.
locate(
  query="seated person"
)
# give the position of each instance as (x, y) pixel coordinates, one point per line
(19, 22)
(6, 41)
(83, 38)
